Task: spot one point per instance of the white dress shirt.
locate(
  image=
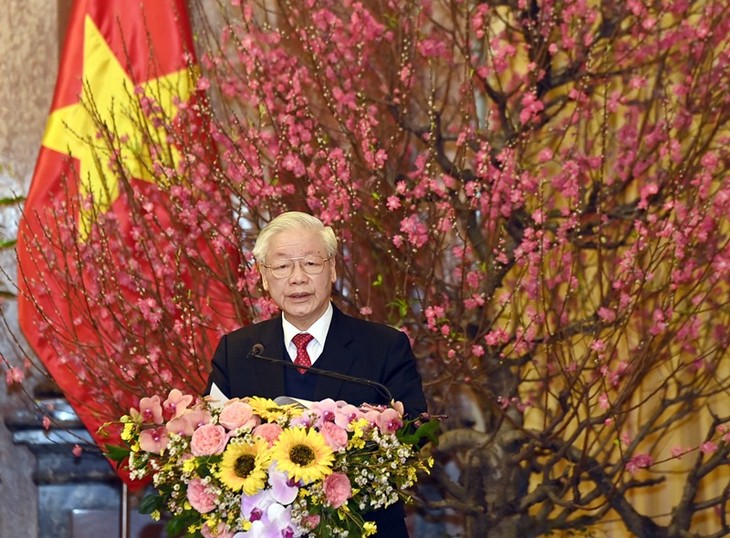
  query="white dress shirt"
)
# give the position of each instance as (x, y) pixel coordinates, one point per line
(318, 330)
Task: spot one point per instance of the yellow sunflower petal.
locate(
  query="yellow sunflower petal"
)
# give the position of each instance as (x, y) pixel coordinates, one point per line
(243, 466)
(303, 455)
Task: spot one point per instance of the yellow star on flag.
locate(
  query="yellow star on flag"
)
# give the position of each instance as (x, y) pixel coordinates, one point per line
(109, 106)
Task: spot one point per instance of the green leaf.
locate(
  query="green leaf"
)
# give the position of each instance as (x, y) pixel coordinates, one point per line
(428, 430)
(401, 305)
(116, 453)
(178, 525)
(151, 503)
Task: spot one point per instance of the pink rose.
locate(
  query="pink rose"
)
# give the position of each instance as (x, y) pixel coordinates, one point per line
(208, 440)
(269, 431)
(236, 414)
(335, 436)
(310, 522)
(337, 489)
(153, 440)
(219, 531)
(201, 498)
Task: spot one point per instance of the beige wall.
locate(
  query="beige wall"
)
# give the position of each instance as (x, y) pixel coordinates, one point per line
(29, 32)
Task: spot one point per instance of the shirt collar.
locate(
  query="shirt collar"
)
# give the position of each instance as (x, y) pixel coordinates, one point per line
(318, 329)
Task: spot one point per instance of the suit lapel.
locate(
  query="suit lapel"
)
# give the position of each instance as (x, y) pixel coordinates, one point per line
(337, 356)
(268, 376)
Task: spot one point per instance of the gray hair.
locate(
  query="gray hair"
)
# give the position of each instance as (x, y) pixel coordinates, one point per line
(294, 220)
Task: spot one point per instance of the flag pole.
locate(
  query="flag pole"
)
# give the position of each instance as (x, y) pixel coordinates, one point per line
(124, 513)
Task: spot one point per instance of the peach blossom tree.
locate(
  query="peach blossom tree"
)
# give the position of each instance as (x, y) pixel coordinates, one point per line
(535, 191)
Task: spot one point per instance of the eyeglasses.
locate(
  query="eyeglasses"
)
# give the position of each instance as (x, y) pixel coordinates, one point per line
(312, 265)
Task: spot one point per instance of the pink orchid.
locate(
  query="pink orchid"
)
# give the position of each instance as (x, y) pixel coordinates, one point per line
(176, 404)
(389, 421)
(188, 422)
(325, 411)
(153, 440)
(150, 410)
(346, 414)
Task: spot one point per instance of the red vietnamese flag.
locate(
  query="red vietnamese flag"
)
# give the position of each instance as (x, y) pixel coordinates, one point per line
(114, 49)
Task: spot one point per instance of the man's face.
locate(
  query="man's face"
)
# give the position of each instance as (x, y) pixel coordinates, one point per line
(301, 296)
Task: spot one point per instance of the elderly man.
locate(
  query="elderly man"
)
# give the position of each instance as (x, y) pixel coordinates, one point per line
(295, 254)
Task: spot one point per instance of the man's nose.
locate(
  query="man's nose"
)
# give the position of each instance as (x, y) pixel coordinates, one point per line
(298, 271)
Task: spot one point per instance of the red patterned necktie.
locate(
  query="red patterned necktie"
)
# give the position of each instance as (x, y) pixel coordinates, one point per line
(300, 341)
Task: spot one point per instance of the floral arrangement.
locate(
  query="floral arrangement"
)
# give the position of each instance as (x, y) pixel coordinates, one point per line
(252, 467)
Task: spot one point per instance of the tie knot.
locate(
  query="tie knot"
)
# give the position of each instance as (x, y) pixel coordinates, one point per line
(301, 340)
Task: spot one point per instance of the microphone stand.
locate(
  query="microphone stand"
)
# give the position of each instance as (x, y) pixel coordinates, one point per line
(257, 349)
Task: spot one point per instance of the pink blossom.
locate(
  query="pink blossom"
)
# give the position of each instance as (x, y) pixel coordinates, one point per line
(708, 447)
(724, 430)
(393, 203)
(531, 107)
(606, 314)
(153, 440)
(14, 375)
(237, 414)
(208, 440)
(337, 489)
(203, 84)
(639, 461)
(415, 229)
(269, 431)
(678, 451)
(430, 48)
(46, 421)
(200, 497)
(77, 451)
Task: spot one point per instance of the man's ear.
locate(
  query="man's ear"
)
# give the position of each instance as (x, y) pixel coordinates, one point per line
(264, 282)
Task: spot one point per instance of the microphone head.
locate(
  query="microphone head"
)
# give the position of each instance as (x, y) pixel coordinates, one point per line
(257, 349)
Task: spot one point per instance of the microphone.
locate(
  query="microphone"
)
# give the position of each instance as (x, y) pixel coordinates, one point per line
(258, 349)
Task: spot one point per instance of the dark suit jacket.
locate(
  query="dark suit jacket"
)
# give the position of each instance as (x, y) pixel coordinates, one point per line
(354, 347)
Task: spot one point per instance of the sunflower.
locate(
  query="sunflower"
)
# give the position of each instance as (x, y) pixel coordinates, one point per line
(271, 411)
(303, 455)
(243, 466)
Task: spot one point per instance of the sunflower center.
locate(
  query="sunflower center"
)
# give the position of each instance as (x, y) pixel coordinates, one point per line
(302, 455)
(244, 465)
